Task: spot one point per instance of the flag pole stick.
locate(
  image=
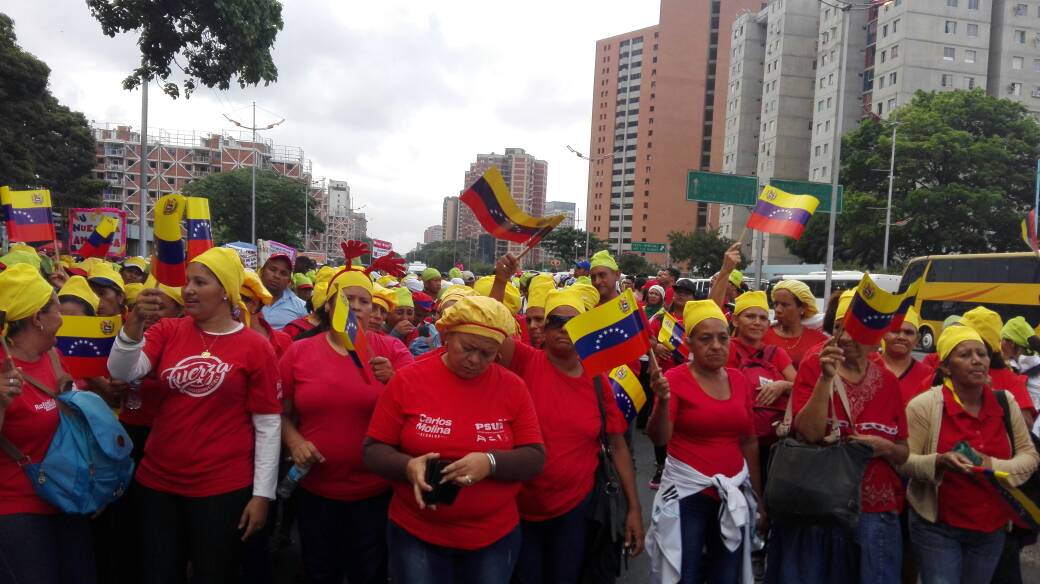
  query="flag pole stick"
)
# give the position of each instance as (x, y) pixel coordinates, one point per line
(743, 234)
(527, 248)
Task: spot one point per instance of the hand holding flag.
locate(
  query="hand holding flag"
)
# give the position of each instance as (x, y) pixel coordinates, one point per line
(782, 213)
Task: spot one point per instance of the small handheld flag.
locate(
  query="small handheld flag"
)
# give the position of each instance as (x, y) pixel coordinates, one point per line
(351, 333)
(610, 335)
(96, 246)
(85, 342)
(494, 208)
(200, 236)
(1023, 504)
(671, 335)
(628, 392)
(1029, 231)
(873, 311)
(782, 213)
(28, 215)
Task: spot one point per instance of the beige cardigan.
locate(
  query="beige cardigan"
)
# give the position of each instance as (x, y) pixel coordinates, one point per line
(924, 416)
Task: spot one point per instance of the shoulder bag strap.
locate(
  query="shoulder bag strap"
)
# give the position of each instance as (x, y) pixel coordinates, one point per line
(604, 443)
(784, 429)
(1002, 400)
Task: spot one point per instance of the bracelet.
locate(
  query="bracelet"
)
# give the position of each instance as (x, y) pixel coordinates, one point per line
(127, 340)
(491, 459)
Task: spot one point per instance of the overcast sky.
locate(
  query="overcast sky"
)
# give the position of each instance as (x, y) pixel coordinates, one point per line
(395, 96)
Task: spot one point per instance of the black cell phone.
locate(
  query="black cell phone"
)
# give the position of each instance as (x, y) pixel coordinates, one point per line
(424, 330)
(441, 494)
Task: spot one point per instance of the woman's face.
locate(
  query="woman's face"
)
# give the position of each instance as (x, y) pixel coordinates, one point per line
(968, 364)
(252, 304)
(851, 350)
(654, 298)
(709, 344)
(204, 296)
(377, 318)
(168, 307)
(111, 300)
(50, 318)
(752, 324)
(73, 308)
(786, 308)
(360, 301)
(535, 317)
(468, 355)
(400, 313)
(901, 342)
(1009, 349)
(557, 341)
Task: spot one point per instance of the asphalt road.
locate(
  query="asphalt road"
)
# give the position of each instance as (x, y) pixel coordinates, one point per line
(287, 562)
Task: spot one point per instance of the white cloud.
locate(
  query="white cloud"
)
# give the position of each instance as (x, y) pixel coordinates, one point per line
(397, 97)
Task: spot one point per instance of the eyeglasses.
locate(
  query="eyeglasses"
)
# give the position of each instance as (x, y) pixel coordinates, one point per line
(556, 321)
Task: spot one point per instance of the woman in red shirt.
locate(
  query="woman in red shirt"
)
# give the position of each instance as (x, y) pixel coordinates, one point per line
(327, 406)
(958, 521)
(255, 297)
(457, 406)
(793, 303)
(554, 505)
(703, 413)
(865, 400)
(40, 544)
(211, 461)
(914, 376)
(988, 324)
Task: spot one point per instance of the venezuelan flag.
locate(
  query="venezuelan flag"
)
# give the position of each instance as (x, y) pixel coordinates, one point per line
(873, 311)
(351, 333)
(1024, 504)
(671, 335)
(491, 203)
(628, 392)
(28, 215)
(168, 266)
(1029, 231)
(612, 334)
(96, 246)
(85, 342)
(200, 235)
(782, 213)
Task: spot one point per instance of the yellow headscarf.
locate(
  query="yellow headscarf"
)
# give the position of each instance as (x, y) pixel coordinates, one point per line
(512, 297)
(987, 323)
(132, 290)
(844, 301)
(589, 294)
(404, 298)
(538, 290)
(227, 267)
(254, 288)
(697, 311)
(451, 294)
(347, 279)
(564, 297)
(21, 257)
(136, 262)
(603, 259)
(478, 315)
(736, 277)
(78, 287)
(953, 336)
(756, 299)
(102, 274)
(324, 275)
(23, 292)
(384, 297)
(912, 318)
(801, 291)
(319, 295)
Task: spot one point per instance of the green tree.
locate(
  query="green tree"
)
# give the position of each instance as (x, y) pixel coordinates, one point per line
(279, 206)
(635, 264)
(217, 40)
(568, 245)
(42, 143)
(701, 251)
(964, 175)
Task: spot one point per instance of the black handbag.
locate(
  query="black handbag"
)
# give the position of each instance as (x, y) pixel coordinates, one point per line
(810, 484)
(605, 536)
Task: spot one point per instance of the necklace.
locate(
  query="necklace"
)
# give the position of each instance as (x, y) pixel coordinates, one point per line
(788, 342)
(205, 348)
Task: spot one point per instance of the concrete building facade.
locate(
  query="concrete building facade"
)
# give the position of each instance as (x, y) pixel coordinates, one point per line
(433, 233)
(450, 218)
(566, 208)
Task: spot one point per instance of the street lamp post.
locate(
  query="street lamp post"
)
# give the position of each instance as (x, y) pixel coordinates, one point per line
(621, 216)
(836, 161)
(256, 156)
(888, 210)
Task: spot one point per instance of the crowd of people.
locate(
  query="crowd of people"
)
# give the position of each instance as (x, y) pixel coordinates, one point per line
(468, 444)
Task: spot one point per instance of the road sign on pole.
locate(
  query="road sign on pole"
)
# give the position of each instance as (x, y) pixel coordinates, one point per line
(645, 247)
(716, 187)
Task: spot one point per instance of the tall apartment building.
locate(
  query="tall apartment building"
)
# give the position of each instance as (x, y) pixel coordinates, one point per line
(176, 158)
(337, 222)
(1015, 38)
(450, 218)
(654, 119)
(433, 233)
(566, 208)
(526, 177)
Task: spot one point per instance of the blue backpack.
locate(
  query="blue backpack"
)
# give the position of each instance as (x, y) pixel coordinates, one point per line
(88, 464)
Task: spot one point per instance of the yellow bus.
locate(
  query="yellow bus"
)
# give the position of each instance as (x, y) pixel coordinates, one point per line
(1007, 283)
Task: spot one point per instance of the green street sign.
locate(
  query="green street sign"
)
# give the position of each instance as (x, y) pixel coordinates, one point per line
(645, 247)
(821, 191)
(716, 187)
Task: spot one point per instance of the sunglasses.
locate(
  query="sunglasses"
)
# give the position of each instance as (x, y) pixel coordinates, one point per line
(556, 321)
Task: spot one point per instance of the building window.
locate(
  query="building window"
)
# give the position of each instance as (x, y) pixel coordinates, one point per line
(951, 27)
(1036, 65)
(952, 3)
(969, 56)
(1016, 88)
(881, 82)
(895, 26)
(1016, 63)
(883, 55)
(891, 104)
(973, 4)
(895, 51)
(1020, 10)
(1036, 91)
(884, 31)
(947, 80)
(973, 30)
(1020, 37)
(969, 83)
(949, 53)
(880, 108)
(892, 78)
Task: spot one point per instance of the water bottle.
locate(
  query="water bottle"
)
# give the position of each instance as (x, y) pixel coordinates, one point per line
(132, 400)
(292, 478)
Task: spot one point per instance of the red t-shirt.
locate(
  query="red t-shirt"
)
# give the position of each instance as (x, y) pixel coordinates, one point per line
(707, 432)
(1010, 381)
(280, 341)
(569, 417)
(916, 379)
(740, 353)
(796, 348)
(202, 439)
(427, 408)
(967, 501)
(877, 406)
(334, 405)
(29, 423)
(297, 326)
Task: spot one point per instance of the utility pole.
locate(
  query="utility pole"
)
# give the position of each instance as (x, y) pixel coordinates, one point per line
(142, 207)
(888, 211)
(621, 216)
(256, 161)
(836, 161)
